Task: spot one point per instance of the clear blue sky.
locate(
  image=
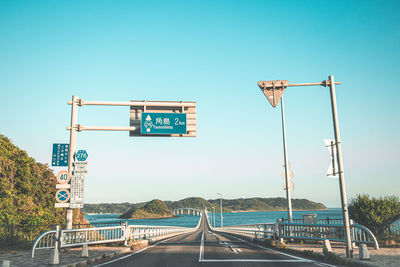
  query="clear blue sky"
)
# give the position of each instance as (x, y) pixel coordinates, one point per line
(212, 52)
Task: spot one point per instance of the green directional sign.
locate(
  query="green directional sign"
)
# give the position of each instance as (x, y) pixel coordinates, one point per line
(163, 123)
(60, 155)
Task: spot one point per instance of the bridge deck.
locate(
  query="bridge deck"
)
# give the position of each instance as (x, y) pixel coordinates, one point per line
(209, 248)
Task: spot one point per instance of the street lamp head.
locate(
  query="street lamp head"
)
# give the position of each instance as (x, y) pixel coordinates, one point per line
(273, 90)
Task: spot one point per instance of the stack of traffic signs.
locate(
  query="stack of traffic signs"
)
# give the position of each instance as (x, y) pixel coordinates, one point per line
(63, 186)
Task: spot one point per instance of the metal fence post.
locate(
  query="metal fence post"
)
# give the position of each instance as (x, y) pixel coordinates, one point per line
(54, 257)
(126, 233)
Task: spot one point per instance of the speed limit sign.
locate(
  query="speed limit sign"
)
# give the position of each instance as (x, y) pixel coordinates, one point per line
(63, 177)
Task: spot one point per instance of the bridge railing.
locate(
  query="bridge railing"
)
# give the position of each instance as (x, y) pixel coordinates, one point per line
(136, 232)
(257, 231)
(101, 235)
(304, 231)
(332, 232)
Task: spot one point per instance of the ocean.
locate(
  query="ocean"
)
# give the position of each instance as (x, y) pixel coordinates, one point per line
(229, 218)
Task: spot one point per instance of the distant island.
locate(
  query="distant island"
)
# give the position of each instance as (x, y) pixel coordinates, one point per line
(155, 209)
(162, 209)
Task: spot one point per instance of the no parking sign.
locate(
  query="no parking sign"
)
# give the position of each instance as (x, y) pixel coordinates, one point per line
(62, 195)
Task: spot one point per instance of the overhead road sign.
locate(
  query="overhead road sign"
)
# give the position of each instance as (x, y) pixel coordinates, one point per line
(81, 155)
(60, 155)
(172, 111)
(62, 195)
(273, 90)
(163, 123)
(63, 177)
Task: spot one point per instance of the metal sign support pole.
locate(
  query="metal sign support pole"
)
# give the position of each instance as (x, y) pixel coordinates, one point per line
(288, 197)
(72, 147)
(343, 197)
(220, 201)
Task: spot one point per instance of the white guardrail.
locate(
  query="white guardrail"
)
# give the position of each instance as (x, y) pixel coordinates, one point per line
(305, 231)
(102, 235)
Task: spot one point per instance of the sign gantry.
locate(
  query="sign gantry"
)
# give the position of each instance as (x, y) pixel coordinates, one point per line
(147, 118)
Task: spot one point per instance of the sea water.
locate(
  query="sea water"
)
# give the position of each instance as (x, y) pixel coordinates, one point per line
(229, 218)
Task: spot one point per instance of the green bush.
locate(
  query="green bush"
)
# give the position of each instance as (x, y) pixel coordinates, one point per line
(375, 213)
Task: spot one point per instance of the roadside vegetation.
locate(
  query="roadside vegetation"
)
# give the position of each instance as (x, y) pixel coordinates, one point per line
(381, 215)
(27, 196)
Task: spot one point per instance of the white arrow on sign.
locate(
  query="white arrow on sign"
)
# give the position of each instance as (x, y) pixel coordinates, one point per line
(333, 167)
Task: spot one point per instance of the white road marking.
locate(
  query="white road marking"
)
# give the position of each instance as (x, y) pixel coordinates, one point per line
(201, 255)
(136, 252)
(251, 260)
(298, 259)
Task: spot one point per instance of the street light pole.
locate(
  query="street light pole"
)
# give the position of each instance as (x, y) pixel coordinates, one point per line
(288, 197)
(220, 201)
(214, 216)
(342, 186)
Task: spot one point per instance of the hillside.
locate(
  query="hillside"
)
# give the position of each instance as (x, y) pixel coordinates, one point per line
(155, 209)
(27, 188)
(266, 204)
(241, 204)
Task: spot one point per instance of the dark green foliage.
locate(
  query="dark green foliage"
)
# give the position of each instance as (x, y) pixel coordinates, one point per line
(191, 202)
(375, 213)
(27, 190)
(153, 209)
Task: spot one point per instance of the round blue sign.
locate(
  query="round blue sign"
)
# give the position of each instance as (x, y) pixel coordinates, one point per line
(62, 195)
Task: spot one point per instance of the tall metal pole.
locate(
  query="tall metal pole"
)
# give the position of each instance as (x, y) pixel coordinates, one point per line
(214, 216)
(342, 185)
(72, 147)
(288, 198)
(220, 201)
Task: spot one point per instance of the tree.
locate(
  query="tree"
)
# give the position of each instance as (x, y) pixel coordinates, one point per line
(375, 213)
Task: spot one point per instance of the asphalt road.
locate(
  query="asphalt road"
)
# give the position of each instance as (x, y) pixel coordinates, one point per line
(205, 247)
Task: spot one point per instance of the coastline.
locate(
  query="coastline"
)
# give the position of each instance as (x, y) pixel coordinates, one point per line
(149, 218)
(235, 211)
